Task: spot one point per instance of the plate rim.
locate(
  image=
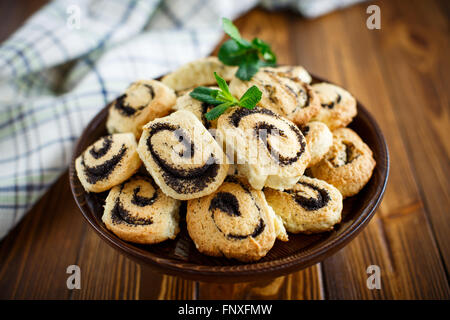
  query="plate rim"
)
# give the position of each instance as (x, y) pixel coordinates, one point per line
(241, 272)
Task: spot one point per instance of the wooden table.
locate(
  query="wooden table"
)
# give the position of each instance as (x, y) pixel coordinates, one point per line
(401, 73)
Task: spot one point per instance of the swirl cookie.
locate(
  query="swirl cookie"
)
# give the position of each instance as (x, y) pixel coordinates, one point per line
(138, 211)
(319, 140)
(197, 107)
(338, 107)
(235, 222)
(270, 150)
(348, 165)
(198, 73)
(311, 206)
(284, 95)
(108, 162)
(296, 72)
(182, 156)
(143, 101)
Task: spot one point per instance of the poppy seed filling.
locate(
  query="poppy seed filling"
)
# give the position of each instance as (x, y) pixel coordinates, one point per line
(270, 129)
(128, 111)
(310, 204)
(98, 153)
(332, 103)
(229, 204)
(184, 181)
(102, 171)
(142, 201)
(121, 215)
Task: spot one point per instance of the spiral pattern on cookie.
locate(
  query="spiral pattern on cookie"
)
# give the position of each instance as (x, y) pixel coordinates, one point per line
(338, 107)
(270, 150)
(272, 128)
(197, 176)
(235, 221)
(316, 202)
(283, 93)
(143, 101)
(108, 162)
(227, 203)
(138, 211)
(301, 92)
(311, 206)
(127, 109)
(183, 158)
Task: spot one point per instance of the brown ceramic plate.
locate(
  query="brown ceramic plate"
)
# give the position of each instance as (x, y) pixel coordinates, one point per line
(180, 257)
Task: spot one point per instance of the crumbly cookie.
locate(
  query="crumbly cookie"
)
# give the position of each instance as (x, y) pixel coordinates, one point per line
(198, 73)
(107, 162)
(270, 150)
(143, 101)
(235, 222)
(197, 107)
(348, 165)
(282, 94)
(138, 211)
(182, 156)
(297, 72)
(311, 206)
(338, 106)
(319, 140)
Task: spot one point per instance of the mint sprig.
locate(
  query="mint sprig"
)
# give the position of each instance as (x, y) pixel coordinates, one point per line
(249, 56)
(223, 99)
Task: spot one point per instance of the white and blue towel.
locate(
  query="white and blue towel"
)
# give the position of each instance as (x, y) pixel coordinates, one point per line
(72, 57)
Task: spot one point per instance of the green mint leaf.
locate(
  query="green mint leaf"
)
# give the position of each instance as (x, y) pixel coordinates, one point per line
(262, 64)
(226, 97)
(223, 99)
(231, 30)
(250, 98)
(224, 94)
(248, 67)
(206, 91)
(249, 56)
(246, 71)
(217, 111)
(222, 84)
(265, 50)
(206, 94)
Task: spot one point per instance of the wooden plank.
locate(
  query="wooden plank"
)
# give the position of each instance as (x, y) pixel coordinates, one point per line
(303, 285)
(399, 239)
(106, 274)
(415, 57)
(169, 288)
(35, 255)
(13, 15)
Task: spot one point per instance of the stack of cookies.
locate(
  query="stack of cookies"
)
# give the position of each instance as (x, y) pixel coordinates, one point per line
(242, 175)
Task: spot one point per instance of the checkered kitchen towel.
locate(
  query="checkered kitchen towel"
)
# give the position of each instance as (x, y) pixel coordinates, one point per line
(72, 57)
